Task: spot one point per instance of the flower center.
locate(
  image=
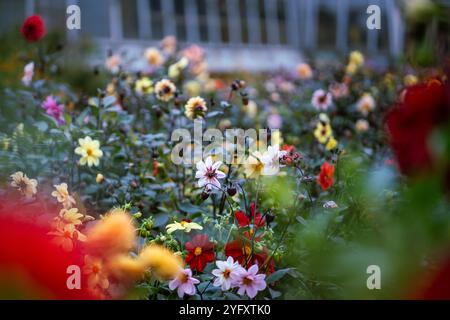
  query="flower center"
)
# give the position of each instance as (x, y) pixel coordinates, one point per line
(247, 250)
(90, 152)
(247, 281)
(322, 99)
(166, 90)
(22, 185)
(183, 278)
(259, 166)
(210, 173)
(95, 269)
(226, 273)
(198, 251)
(67, 234)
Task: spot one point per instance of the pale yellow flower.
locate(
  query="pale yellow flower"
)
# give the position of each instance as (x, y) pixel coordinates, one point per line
(410, 80)
(366, 104)
(27, 186)
(144, 86)
(176, 68)
(351, 68)
(253, 166)
(183, 226)
(331, 144)
(195, 108)
(193, 88)
(62, 195)
(90, 152)
(323, 132)
(304, 71)
(356, 58)
(362, 125)
(165, 90)
(110, 89)
(70, 216)
(154, 57)
(99, 178)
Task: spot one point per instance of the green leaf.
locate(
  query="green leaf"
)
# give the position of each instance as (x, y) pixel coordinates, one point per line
(274, 294)
(231, 296)
(189, 208)
(277, 275)
(41, 125)
(161, 219)
(108, 101)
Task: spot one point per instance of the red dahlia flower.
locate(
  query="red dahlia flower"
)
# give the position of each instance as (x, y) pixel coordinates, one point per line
(290, 155)
(325, 178)
(288, 148)
(255, 218)
(243, 253)
(33, 29)
(201, 252)
(411, 122)
(31, 265)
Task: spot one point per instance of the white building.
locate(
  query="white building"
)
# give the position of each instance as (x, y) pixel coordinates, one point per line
(232, 31)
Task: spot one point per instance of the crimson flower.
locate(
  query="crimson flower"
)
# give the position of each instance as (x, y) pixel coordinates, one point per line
(325, 178)
(201, 252)
(32, 266)
(255, 218)
(288, 148)
(33, 29)
(411, 122)
(289, 155)
(243, 252)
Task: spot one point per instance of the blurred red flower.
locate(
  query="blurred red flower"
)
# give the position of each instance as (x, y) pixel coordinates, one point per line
(201, 252)
(434, 285)
(255, 218)
(33, 29)
(325, 178)
(31, 265)
(411, 122)
(244, 253)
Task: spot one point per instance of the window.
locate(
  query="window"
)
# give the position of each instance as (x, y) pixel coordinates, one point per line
(130, 19)
(15, 16)
(327, 25)
(54, 13)
(357, 30)
(156, 18)
(95, 17)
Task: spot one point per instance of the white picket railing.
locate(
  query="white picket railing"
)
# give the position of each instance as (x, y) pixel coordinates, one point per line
(290, 23)
(232, 31)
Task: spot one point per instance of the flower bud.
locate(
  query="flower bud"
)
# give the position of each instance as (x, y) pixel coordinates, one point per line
(99, 178)
(205, 195)
(231, 190)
